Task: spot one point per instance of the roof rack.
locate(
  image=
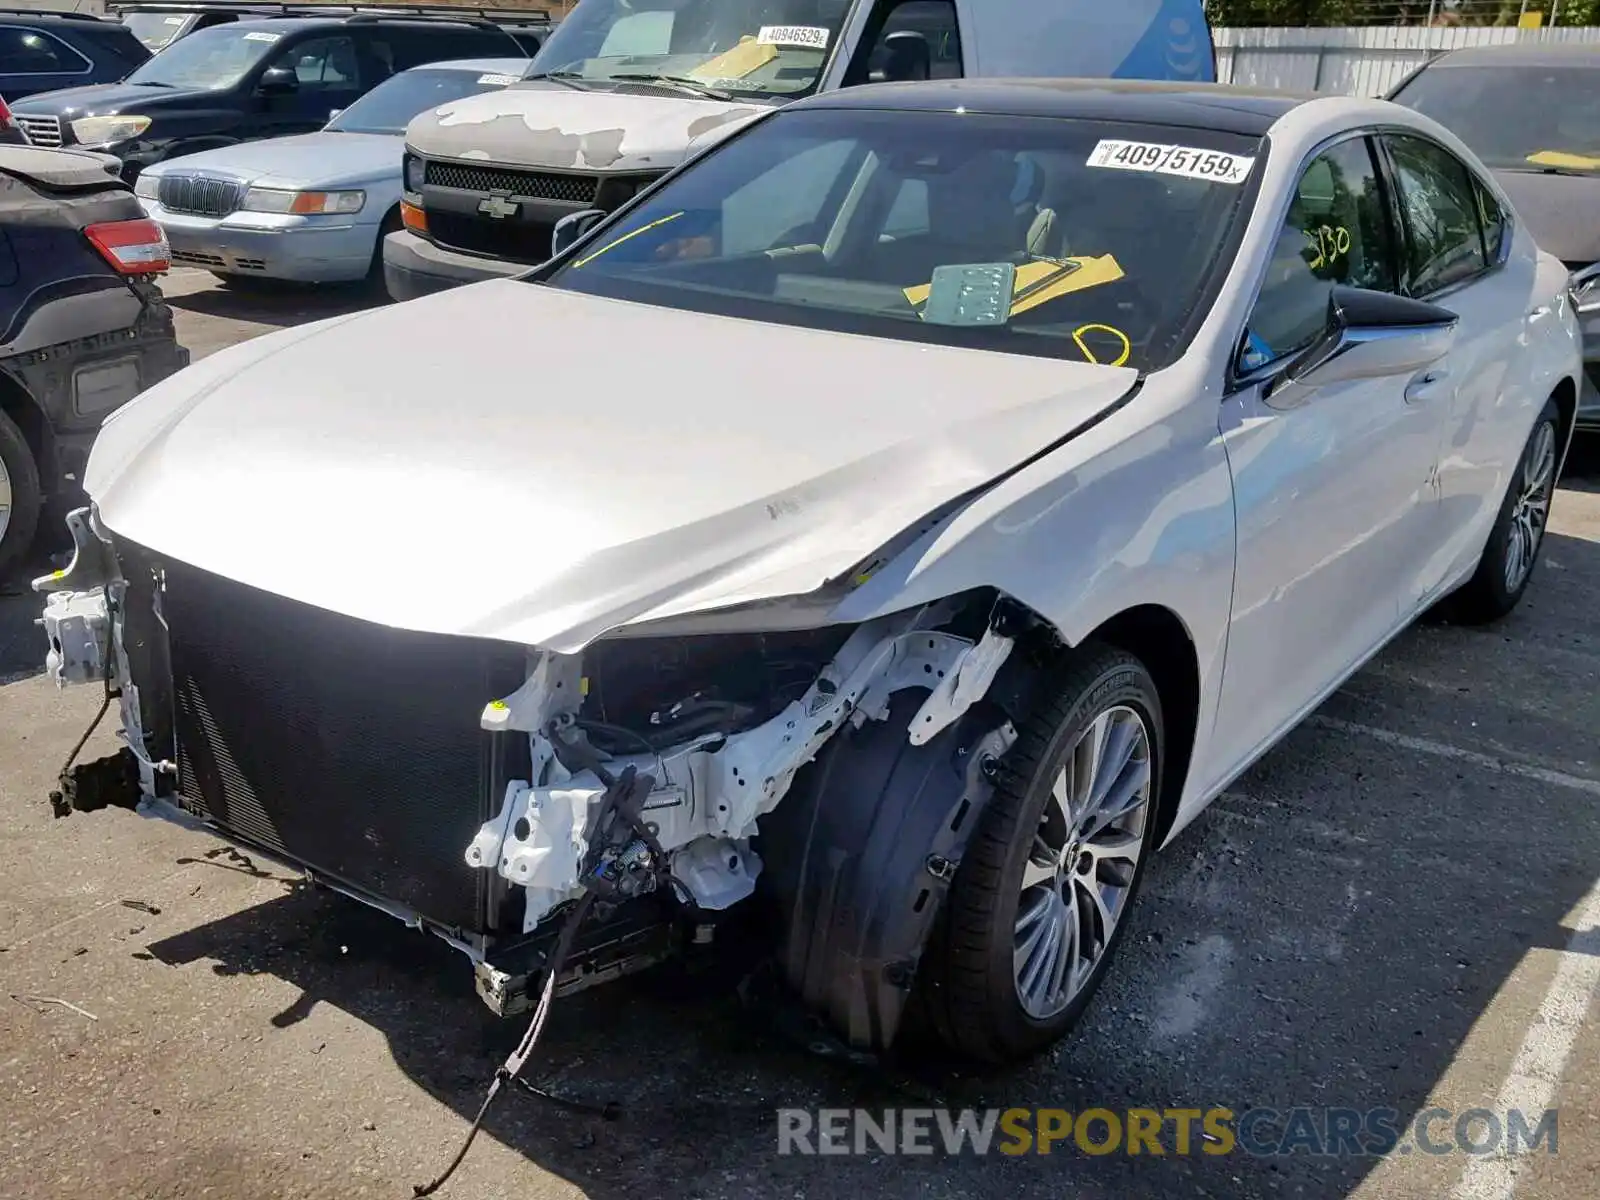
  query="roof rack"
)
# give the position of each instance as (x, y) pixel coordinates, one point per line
(517, 16)
(64, 14)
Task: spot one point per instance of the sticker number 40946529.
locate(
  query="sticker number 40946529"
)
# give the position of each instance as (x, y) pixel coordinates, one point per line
(1189, 161)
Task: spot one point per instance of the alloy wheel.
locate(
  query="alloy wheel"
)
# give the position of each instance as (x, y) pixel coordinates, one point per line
(1083, 862)
(5, 499)
(1531, 511)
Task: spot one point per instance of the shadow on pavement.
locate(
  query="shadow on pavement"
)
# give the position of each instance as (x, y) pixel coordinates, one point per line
(267, 302)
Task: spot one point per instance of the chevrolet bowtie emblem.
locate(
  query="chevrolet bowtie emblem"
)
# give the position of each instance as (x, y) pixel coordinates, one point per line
(498, 207)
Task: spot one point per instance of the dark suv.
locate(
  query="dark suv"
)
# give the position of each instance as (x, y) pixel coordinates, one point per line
(83, 326)
(159, 22)
(43, 51)
(250, 79)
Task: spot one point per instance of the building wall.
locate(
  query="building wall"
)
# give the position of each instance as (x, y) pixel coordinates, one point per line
(1367, 61)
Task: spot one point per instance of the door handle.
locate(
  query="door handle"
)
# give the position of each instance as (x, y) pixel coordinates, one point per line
(1422, 388)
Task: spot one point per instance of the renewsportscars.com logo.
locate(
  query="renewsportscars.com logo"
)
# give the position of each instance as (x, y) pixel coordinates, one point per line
(1179, 1132)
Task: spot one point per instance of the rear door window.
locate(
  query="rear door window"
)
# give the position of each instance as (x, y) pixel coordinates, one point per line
(1440, 204)
(33, 52)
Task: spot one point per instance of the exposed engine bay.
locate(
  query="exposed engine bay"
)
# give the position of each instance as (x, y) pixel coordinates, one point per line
(634, 775)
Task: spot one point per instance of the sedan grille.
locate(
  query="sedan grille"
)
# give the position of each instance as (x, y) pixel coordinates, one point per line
(527, 185)
(41, 131)
(199, 196)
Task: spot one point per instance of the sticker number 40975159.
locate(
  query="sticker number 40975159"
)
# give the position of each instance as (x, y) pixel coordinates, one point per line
(1189, 161)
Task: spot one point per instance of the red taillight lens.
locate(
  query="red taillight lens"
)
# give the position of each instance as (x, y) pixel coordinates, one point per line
(5, 111)
(132, 247)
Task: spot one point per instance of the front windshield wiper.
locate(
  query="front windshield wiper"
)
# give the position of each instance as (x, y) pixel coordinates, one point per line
(693, 86)
(572, 79)
(150, 83)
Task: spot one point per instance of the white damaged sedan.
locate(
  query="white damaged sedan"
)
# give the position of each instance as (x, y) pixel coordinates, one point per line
(896, 525)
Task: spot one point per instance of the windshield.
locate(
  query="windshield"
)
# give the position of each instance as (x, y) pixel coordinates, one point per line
(208, 58)
(155, 30)
(744, 47)
(1087, 240)
(389, 107)
(1516, 118)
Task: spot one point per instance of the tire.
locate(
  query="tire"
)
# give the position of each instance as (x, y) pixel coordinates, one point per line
(973, 983)
(1499, 582)
(375, 284)
(21, 496)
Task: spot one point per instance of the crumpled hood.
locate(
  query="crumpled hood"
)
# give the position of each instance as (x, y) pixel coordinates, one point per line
(422, 466)
(1561, 211)
(306, 159)
(538, 124)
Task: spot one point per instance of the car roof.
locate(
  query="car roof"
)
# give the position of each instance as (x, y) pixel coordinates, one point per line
(499, 66)
(291, 24)
(1523, 54)
(1223, 107)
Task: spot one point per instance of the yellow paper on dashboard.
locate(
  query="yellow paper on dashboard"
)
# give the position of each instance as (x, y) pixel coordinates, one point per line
(1564, 160)
(744, 59)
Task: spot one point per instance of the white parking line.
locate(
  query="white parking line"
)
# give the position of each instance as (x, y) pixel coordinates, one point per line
(1441, 750)
(1536, 1071)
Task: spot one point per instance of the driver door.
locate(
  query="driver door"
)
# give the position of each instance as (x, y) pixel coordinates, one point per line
(1333, 486)
(327, 75)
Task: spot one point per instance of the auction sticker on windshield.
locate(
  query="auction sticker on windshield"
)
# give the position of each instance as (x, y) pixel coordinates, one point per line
(809, 37)
(1188, 161)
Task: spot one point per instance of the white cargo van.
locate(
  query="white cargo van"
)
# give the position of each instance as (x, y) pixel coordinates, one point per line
(624, 90)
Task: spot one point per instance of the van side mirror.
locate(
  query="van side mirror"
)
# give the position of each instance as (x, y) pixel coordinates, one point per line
(278, 81)
(570, 228)
(904, 57)
(1370, 335)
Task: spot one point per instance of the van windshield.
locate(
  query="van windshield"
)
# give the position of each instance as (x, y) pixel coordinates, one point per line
(740, 47)
(1087, 240)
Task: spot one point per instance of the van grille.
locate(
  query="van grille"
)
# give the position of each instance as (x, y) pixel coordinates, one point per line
(528, 185)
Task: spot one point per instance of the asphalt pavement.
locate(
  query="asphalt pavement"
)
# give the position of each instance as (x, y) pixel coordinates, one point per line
(1397, 909)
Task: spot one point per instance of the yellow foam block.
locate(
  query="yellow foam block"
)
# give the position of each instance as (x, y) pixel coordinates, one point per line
(1561, 158)
(744, 59)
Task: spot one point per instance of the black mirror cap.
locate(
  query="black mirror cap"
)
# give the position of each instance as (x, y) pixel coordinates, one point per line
(276, 81)
(1360, 308)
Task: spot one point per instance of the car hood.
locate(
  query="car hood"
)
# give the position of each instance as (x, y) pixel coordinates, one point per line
(105, 99)
(547, 125)
(649, 463)
(307, 159)
(1561, 211)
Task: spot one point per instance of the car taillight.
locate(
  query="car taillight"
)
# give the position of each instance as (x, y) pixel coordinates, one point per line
(132, 247)
(9, 129)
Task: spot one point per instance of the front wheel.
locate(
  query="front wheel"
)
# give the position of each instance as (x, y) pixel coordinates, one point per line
(1039, 903)
(1518, 534)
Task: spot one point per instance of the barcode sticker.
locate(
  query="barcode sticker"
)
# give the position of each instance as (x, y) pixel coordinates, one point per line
(498, 80)
(809, 37)
(255, 35)
(1191, 162)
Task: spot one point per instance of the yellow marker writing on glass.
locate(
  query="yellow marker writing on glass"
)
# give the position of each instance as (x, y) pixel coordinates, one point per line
(627, 237)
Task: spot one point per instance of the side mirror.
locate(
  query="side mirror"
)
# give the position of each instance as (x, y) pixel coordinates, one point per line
(1370, 335)
(1585, 287)
(334, 112)
(570, 228)
(905, 56)
(278, 81)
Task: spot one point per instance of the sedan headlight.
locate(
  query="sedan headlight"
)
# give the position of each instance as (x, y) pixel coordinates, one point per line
(278, 200)
(101, 131)
(147, 186)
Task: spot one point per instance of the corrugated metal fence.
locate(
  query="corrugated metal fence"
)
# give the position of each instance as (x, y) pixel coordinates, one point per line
(1366, 61)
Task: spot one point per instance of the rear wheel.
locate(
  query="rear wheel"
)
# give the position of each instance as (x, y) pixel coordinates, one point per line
(1518, 535)
(1039, 903)
(20, 495)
